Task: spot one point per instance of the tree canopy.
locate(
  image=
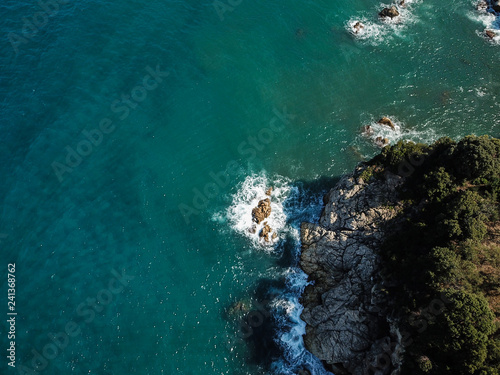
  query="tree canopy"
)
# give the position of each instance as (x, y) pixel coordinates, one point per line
(446, 245)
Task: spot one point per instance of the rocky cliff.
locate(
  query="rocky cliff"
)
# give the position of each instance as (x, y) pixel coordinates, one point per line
(345, 310)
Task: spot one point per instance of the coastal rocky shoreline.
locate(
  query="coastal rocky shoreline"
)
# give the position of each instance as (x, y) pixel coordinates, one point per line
(401, 271)
(348, 326)
(404, 268)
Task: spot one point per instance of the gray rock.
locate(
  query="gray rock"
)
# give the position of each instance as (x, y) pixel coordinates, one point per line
(358, 26)
(344, 308)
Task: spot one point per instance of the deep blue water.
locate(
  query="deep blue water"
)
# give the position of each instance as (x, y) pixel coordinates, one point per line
(197, 112)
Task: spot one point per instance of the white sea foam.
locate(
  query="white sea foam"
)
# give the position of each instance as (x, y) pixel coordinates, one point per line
(290, 339)
(300, 206)
(379, 29)
(250, 192)
(481, 16)
(291, 205)
(400, 133)
(370, 30)
(488, 20)
(480, 92)
(495, 39)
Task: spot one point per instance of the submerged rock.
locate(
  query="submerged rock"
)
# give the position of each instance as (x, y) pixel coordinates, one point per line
(389, 12)
(445, 97)
(239, 308)
(386, 121)
(262, 211)
(345, 308)
(269, 191)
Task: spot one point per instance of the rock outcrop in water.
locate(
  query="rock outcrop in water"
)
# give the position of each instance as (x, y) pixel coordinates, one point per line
(490, 34)
(492, 7)
(482, 5)
(358, 27)
(262, 211)
(367, 130)
(388, 122)
(381, 142)
(389, 12)
(344, 309)
(265, 232)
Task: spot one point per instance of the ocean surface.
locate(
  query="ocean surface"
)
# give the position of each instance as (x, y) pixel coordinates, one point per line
(136, 137)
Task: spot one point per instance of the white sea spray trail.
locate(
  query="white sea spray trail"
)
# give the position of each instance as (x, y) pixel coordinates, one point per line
(291, 205)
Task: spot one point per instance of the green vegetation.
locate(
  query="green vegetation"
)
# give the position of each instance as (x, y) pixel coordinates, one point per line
(448, 249)
(370, 172)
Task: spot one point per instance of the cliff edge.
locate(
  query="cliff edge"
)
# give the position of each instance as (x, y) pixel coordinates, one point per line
(405, 263)
(345, 309)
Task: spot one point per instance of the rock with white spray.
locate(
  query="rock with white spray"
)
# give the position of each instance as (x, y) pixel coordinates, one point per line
(262, 211)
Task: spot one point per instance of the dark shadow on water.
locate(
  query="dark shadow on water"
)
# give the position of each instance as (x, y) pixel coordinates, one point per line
(324, 183)
(287, 256)
(262, 341)
(253, 313)
(310, 192)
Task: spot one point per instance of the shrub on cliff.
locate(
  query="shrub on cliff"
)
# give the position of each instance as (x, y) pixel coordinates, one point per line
(464, 217)
(438, 184)
(457, 342)
(443, 245)
(446, 268)
(477, 159)
(394, 157)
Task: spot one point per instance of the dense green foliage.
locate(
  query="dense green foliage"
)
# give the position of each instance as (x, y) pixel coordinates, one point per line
(447, 251)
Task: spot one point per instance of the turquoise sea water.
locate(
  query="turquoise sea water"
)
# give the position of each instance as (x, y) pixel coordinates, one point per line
(278, 91)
